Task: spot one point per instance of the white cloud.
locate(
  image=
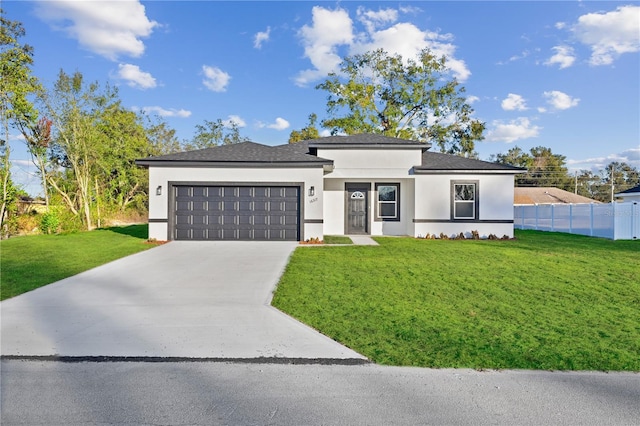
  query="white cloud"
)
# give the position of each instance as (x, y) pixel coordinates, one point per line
(108, 28)
(559, 100)
(215, 79)
(279, 124)
(564, 57)
(514, 102)
(609, 34)
(331, 29)
(162, 112)
(560, 25)
(472, 99)
(135, 77)
(630, 156)
(373, 20)
(520, 128)
(234, 119)
(261, 37)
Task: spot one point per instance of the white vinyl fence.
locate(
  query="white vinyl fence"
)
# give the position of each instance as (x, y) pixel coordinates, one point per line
(616, 221)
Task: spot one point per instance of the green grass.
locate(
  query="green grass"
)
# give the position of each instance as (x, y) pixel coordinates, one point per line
(337, 239)
(543, 301)
(33, 261)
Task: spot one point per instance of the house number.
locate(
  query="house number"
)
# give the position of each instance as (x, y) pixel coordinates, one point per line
(313, 200)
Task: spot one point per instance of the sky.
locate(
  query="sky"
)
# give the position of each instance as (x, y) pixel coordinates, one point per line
(559, 74)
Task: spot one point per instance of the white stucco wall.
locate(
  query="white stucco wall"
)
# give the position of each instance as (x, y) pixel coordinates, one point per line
(433, 202)
(372, 163)
(161, 176)
(334, 207)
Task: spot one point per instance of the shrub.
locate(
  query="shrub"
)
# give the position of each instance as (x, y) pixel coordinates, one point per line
(50, 222)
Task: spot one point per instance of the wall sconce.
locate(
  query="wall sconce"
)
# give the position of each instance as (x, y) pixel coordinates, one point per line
(159, 190)
(312, 191)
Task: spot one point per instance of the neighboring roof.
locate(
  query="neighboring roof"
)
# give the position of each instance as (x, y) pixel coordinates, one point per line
(238, 154)
(631, 191)
(438, 162)
(547, 195)
(365, 140)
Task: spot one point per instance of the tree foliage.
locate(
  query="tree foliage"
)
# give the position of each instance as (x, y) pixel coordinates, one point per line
(94, 144)
(412, 99)
(17, 86)
(310, 131)
(598, 185)
(161, 137)
(544, 168)
(215, 133)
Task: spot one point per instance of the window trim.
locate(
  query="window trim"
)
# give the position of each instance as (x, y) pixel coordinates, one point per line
(378, 217)
(476, 201)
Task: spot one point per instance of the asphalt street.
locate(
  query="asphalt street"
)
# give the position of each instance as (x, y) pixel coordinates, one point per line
(222, 393)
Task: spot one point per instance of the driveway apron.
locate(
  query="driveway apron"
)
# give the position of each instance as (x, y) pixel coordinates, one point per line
(182, 299)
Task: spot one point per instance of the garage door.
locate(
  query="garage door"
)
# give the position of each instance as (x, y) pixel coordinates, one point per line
(236, 213)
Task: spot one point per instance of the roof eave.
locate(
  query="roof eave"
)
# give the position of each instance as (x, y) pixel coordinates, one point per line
(422, 171)
(233, 164)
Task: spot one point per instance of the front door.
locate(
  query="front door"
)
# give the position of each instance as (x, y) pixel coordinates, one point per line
(357, 211)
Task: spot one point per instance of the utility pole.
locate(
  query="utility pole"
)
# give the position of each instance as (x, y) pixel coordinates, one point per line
(612, 183)
(576, 175)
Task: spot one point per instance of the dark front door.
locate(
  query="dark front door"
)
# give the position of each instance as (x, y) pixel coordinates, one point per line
(357, 211)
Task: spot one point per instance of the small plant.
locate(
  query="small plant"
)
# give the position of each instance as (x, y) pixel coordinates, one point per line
(475, 235)
(50, 222)
(313, 241)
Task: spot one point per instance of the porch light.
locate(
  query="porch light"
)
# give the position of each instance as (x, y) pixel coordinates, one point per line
(312, 191)
(159, 190)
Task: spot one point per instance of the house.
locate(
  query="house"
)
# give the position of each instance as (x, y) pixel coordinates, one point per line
(630, 195)
(338, 185)
(547, 195)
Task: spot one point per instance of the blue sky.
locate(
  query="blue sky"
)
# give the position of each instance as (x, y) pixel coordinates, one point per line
(564, 75)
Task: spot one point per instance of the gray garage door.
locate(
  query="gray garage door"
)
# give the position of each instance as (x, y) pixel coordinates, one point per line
(236, 213)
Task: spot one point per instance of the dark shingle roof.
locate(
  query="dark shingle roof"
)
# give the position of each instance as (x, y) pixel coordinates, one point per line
(435, 161)
(244, 152)
(634, 190)
(303, 154)
(365, 139)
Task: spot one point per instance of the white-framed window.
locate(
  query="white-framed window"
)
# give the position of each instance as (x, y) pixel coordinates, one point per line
(388, 201)
(464, 203)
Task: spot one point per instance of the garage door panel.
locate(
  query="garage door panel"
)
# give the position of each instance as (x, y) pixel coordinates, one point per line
(228, 212)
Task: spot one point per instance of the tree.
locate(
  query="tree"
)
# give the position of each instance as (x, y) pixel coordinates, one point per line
(306, 133)
(162, 139)
(544, 168)
(410, 99)
(76, 109)
(215, 133)
(122, 140)
(17, 85)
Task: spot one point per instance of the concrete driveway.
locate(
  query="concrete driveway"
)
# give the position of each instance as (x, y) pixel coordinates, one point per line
(182, 299)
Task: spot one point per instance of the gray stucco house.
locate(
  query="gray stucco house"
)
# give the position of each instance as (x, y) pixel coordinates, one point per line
(338, 185)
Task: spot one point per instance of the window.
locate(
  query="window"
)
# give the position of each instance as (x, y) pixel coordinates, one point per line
(464, 200)
(388, 208)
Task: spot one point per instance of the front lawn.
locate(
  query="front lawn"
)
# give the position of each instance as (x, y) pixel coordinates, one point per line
(543, 301)
(33, 261)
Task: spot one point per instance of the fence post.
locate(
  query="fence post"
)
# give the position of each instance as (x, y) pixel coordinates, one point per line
(553, 218)
(571, 218)
(591, 220)
(633, 220)
(614, 219)
(536, 228)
